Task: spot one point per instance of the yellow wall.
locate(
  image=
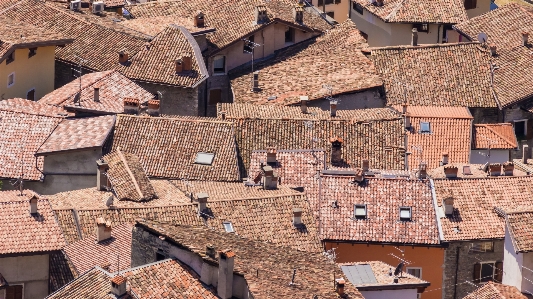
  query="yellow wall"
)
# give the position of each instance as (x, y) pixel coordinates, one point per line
(341, 10)
(36, 72)
(430, 259)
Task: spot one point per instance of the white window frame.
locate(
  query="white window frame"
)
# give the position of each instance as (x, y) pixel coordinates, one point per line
(12, 74)
(481, 271)
(525, 125)
(414, 268)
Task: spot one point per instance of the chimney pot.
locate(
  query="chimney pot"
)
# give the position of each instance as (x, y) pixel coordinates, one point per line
(336, 150)
(303, 103)
(33, 204)
(199, 19)
(445, 158)
(333, 108)
(525, 153)
(297, 216)
(131, 106)
(202, 201)
(525, 36)
(414, 37)
(123, 56)
(495, 169)
(103, 229)
(422, 171)
(340, 286)
(97, 93)
(226, 262)
(447, 203)
(298, 12)
(153, 107)
(508, 168)
(450, 171)
(118, 285)
(101, 178)
(492, 48)
(271, 155)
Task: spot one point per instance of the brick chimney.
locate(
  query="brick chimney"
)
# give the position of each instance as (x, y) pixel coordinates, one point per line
(495, 169)
(223, 115)
(101, 178)
(123, 56)
(256, 81)
(366, 165)
(508, 168)
(336, 150)
(202, 201)
(131, 106)
(179, 66)
(298, 14)
(33, 204)
(187, 63)
(414, 37)
(118, 286)
(103, 229)
(525, 36)
(447, 204)
(422, 170)
(339, 286)
(271, 155)
(153, 108)
(261, 14)
(199, 19)
(226, 264)
(333, 108)
(297, 216)
(271, 178)
(96, 97)
(450, 171)
(525, 153)
(445, 159)
(303, 103)
(492, 48)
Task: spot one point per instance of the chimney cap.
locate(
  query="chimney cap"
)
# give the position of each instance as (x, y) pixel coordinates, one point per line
(101, 221)
(202, 195)
(336, 139)
(341, 281)
(268, 168)
(525, 33)
(227, 253)
(132, 102)
(297, 210)
(119, 279)
(304, 98)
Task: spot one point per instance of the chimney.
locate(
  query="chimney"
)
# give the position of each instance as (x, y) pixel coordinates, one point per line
(260, 14)
(422, 171)
(525, 37)
(404, 108)
(226, 263)
(101, 178)
(123, 56)
(97, 93)
(187, 63)
(103, 229)
(450, 171)
(147, 45)
(447, 204)
(271, 155)
(297, 216)
(179, 66)
(445, 159)
(271, 178)
(202, 202)
(33, 204)
(199, 20)
(336, 150)
(492, 48)
(508, 168)
(223, 115)
(366, 165)
(495, 169)
(333, 108)
(153, 108)
(210, 251)
(525, 153)
(414, 37)
(118, 285)
(256, 81)
(379, 2)
(339, 283)
(303, 103)
(131, 106)
(298, 13)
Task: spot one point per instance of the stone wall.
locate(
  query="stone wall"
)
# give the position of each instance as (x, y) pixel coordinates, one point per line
(226, 96)
(464, 267)
(177, 100)
(64, 74)
(486, 115)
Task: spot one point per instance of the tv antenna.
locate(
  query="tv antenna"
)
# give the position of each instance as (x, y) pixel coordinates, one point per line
(249, 47)
(77, 97)
(482, 37)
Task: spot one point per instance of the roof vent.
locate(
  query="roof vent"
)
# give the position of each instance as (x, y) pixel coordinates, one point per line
(298, 13)
(492, 48)
(103, 229)
(199, 19)
(508, 168)
(525, 37)
(303, 103)
(33, 205)
(131, 106)
(261, 14)
(118, 285)
(450, 171)
(495, 169)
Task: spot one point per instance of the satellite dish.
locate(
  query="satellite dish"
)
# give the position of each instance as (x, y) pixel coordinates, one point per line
(109, 201)
(482, 37)
(399, 269)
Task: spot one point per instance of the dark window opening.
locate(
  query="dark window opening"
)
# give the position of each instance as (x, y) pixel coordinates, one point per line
(424, 27)
(10, 58)
(358, 7)
(321, 2)
(215, 96)
(289, 35)
(30, 96)
(487, 272)
(159, 256)
(470, 4)
(364, 35)
(520, 129)
(14, 292)
(33, 52)
(331, 14)
(219, 65)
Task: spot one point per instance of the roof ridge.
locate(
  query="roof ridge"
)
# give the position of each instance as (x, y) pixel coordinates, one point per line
(395, 10)
(174, 118)
(502, 137)
(423, 46)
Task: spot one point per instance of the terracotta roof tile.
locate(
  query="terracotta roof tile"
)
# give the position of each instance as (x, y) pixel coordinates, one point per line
(416, 11)
(495, 136)
(492, 290)
(476, 171)
(78, 133)
(61, 271)
(334, 58)
(127, 177)
(15, 195)
(31, 108)
(152, 26)
(474, 217)
(255, 260)
(520, 226)
(24, 232)
(168, 147)
(436, 75)
(229, 190)
(94, 283)
(113, 88)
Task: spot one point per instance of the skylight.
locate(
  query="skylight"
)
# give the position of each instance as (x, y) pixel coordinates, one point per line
(204, 158)
(360, 211)
(425, 127)
(405, 213)
(228, 227)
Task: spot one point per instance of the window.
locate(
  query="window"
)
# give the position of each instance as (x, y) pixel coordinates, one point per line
(14, 292)
(219, 64)
(33, 52)
(289, 35)
(321, 2)
(520, 128)
(11, 80)
(10, 58)
(425, 127)
(482, 247)
(248, 48)
(405, 213)
(488, 271)
(331, 14)
(359, 211)
(470, 4)
(357, 7)
(30, 96)
(204, 158)
(415, 271)
(228, 227)
(421, 27)
(215, 96)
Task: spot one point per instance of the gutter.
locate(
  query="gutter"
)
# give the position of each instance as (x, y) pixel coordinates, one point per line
(392, 286)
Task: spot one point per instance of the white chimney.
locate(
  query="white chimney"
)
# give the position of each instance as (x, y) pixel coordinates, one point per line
(33, 204)
(333, 108)
(297, 216)
(202, 201)
(101, 177)
(226, 264)
(445, 159)
(525, 153)
(303, 103)
(447, 203)
(271, 155)
(414, 37)
(271, 178)
(103, 229)
(118, 285)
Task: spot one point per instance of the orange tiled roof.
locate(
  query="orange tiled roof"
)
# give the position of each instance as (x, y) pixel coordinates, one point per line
(416, 11)
(436, 75)
(334, 58)
(474, 217)
(495, 136)
(520, 225)
(152, 26)
(493, 290)
(230, 190)
(476, 171)
(26, 233)
(61, 271)
(504, 27)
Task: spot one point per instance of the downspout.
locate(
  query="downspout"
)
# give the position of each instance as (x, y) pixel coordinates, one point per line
(206, 87)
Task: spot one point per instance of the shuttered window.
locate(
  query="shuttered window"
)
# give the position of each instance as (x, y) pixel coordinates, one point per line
(14, 292)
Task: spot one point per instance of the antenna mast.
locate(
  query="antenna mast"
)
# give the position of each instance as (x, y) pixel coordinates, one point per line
(249, 47)
(77, 97)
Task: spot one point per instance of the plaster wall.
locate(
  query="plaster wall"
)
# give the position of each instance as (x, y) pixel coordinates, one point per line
(482, 6)
(479, 156)
(512, 268)
(30, 270)
(396, 294)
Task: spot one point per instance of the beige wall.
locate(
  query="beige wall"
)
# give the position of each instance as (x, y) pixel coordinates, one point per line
(31, 271)
(482, 7)
(36, 72)
(341, 10)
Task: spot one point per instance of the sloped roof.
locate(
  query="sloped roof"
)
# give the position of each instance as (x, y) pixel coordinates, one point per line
(504, 27)
(113, 88)
(334, 59)
(520, 225)
(127, 177)
(474, 217)
(476, 171)
(436, 75)
(417, 11)
(61, 271)
(493, 290)
(167, 147)
(380, 271)
(495, 136)
(152, 26)
(230, 190)
(267, 268)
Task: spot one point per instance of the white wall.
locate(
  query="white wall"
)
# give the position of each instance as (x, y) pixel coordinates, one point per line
(396, 294)
(32, 271)
(481, 156)
(527, 275)
(512, 263)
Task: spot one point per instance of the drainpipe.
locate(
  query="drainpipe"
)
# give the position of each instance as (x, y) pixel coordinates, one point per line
(438, 35)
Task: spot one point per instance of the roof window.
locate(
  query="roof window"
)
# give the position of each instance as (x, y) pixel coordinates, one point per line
(228, 227)
(425, 127)
(405, 213)
(204, 158)
(359, 211)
